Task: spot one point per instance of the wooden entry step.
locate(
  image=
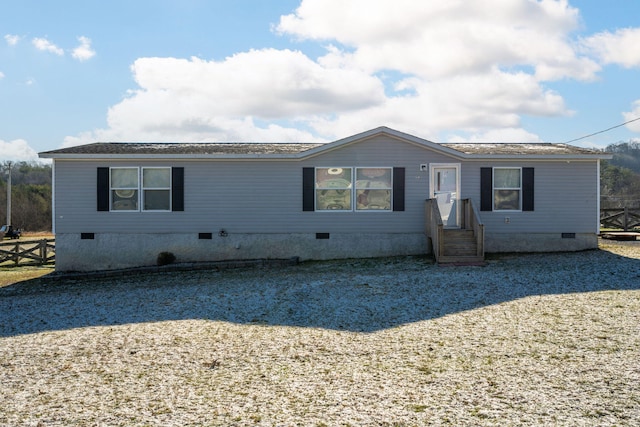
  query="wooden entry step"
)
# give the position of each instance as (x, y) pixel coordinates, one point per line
(460, 247)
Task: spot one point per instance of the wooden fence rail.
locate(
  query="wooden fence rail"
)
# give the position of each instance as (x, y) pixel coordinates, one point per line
(28, 252)
(620, 218)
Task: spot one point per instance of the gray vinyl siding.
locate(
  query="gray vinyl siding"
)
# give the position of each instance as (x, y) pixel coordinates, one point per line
(565, 197)
(248, 196)
(265, 196)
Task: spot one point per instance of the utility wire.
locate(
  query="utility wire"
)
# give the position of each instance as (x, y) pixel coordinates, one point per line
(603, 131)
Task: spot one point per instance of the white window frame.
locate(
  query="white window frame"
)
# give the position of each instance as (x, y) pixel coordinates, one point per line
(352, 188)
(457, 196)
(349, 188)
(143, 188)
(494, 189)
(354, 203)
(140, 189)
(112, 189)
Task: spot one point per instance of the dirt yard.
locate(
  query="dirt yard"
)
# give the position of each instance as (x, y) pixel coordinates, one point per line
(525, 340)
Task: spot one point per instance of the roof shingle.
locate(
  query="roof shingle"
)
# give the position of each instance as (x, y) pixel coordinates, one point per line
(242, 150)
(185, 148)
(519, 149)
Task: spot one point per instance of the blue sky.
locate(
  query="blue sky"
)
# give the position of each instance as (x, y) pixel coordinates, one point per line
(74, 72)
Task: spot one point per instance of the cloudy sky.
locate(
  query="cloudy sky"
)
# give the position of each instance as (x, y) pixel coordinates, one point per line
(80, 71)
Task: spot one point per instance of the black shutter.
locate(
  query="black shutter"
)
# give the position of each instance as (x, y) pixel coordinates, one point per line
(486, 189)
(398, 189)
(308, 189)
(177, 189)
(103, 189)
(527, 189)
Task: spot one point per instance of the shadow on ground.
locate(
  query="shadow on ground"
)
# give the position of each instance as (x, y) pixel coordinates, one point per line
(354, 295)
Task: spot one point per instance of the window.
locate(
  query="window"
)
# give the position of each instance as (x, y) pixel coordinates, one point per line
(507, 189)
(333, 189)
(124, 189)
(373, 189)
(135, 189)
(514, 189)
(156, 189)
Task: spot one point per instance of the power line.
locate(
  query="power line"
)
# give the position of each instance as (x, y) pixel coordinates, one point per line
(603, 131)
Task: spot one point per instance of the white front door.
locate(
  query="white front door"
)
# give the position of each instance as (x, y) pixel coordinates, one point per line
(444, 184)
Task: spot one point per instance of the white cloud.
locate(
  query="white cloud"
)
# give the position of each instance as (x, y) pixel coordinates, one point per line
(619, 48)
(267, 83)
(428, 68)
(438, 39)
(12, 39)
(498, 136)
(471, 103)
(17, 150)
(197, 100)
(46, 46)
(210, 100)
(84, 51)
(633, 115)
(221, 129)
(1, 75)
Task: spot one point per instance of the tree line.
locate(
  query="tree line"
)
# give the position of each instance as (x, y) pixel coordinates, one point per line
(30, 195)
(620, 176)
(31, 187)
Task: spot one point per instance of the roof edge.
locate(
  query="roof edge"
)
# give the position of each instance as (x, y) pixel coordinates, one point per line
(381, 130)
(317, 149)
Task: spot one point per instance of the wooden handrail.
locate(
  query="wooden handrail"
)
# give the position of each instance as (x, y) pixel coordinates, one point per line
(473, 221)
(434, 226)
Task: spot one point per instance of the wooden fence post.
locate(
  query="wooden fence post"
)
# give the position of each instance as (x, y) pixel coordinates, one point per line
(626, 219)
(16, 257)
(43, 251)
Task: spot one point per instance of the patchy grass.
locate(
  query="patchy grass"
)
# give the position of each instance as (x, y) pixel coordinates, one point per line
(13, 275)
(32, 235)
(9, 274)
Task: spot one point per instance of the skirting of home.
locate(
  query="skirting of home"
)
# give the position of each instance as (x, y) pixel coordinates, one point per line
(108, 251)
(112, 251)
(540, 242)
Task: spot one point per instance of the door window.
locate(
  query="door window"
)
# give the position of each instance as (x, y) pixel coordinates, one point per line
(445, 189)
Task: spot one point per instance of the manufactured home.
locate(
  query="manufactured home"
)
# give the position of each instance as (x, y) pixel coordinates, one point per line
(375, 194)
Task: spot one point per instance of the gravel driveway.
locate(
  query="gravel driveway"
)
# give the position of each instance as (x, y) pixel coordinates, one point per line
(525, 340)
